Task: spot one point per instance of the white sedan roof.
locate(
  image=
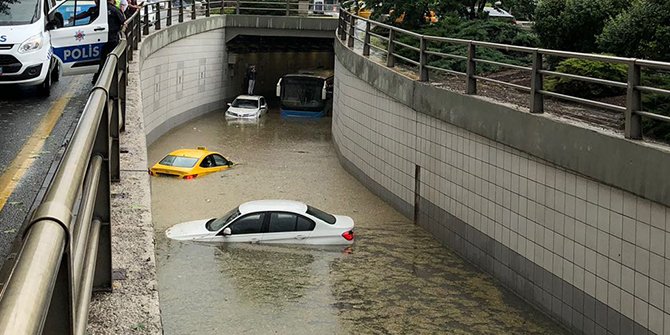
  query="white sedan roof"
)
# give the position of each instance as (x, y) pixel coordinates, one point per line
(250, 97)
(273, 205)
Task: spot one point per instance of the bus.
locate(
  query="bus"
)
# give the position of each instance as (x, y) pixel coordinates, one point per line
(306, 94)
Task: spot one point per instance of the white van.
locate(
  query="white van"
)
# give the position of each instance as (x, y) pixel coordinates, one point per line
(40, 40)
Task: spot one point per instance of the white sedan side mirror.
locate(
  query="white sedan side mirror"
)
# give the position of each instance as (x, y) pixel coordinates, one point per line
(227, 231)
(230, 104)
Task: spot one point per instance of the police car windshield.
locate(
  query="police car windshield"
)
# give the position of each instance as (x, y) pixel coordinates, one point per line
(245, 103)
(16, 12)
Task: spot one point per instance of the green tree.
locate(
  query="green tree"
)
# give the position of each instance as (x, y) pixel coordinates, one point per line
(574, 24)
(641, 31)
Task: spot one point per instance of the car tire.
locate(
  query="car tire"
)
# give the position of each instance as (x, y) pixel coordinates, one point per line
(45, 86)
(55, 73)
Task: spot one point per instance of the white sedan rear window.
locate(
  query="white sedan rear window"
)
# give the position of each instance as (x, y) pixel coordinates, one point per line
(323, 216)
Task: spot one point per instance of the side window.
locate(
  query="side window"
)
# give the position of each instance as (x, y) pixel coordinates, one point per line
(282, 222)
(250, 224)
(207, 162)
(77, 12)
(304, 224)
(262, 101)
(219, 160)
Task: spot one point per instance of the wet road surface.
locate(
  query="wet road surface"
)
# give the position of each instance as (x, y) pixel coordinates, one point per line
(33, 131)
(395, 279)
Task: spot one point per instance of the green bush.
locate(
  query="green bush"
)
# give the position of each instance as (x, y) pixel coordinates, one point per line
(641, 31)
(587, 68)
(574, 24)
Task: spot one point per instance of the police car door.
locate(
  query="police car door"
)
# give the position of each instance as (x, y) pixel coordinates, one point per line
(78, 42)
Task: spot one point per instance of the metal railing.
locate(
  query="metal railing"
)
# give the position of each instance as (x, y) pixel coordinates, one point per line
(424, 47)
(66, 248)
(66, 251)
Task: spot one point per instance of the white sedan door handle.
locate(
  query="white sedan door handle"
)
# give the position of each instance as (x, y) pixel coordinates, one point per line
(254, 240)
(301, 237)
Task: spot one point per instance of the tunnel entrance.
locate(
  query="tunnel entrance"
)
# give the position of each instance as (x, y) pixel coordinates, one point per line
(274, 57)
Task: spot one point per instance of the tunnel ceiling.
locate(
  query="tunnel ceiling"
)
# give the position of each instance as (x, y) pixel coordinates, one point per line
(249, 44)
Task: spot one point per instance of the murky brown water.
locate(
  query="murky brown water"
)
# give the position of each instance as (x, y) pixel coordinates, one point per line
(396, 279)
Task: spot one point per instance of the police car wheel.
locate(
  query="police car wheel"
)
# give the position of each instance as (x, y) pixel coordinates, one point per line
(55, 73)
(45, 87)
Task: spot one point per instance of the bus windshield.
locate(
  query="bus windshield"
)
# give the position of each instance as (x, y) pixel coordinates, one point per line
(302, 93)
(17, 12)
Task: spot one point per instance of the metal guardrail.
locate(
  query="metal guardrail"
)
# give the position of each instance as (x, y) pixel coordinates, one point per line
(347, 32)
(66, 251)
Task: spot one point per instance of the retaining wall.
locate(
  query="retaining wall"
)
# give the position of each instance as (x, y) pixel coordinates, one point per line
(574, 220)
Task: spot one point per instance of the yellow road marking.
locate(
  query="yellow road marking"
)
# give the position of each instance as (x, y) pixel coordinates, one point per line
(33, 146)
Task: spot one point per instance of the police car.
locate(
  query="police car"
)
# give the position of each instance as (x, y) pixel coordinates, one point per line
(41, 39)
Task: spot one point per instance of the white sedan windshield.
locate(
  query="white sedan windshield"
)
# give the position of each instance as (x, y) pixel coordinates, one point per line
(245, 103)
(217, 224)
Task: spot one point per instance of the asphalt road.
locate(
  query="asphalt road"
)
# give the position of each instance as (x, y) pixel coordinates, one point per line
(33, 133)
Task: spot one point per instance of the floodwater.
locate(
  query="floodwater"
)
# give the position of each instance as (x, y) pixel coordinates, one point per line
(395, 279)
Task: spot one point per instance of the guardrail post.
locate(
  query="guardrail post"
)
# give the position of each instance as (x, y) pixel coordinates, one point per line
(237, 7)
(206, 8)
(60, 318)
(102, 278)
(390, 59)
(471, 86)
(366, 44)
(193, 11)
(536, 84)
(168, 19)
(633, 121)
(223, 7)
(138, 31)
(343, 25)
(352, 31)
(114, 112)
(123, 85)
(157, 25)
(288, 10)
(181, 11)
(146, 19)
(423, 70)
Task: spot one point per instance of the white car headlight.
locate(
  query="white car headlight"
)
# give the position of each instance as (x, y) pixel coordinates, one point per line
(33, 43)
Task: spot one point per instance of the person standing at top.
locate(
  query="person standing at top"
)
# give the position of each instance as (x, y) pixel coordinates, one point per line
(115, 21)
(251, 75)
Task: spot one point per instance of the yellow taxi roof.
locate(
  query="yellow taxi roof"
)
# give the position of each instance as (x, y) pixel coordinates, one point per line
(195, 153)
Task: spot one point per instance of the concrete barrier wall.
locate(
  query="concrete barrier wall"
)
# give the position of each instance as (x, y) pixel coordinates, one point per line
(594, 256)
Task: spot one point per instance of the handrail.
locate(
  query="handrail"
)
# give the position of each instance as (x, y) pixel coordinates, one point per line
(632, 110)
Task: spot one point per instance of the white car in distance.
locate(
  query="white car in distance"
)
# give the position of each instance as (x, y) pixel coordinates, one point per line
(247, 106)
(269, 221)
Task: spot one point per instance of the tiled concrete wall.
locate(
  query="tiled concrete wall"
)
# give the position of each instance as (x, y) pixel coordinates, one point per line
(183, 80)
(594, 257)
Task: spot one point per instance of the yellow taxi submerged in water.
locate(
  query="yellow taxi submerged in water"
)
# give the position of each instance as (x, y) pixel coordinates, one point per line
(190, 163)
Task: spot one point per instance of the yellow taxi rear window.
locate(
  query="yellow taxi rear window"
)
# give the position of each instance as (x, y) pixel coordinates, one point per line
(178, 161)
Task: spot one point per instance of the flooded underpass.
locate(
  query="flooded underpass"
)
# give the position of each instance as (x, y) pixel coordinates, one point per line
(395, 279)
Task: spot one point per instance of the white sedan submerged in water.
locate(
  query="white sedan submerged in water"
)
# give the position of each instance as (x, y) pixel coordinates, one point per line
(247, 106)
(269, 221)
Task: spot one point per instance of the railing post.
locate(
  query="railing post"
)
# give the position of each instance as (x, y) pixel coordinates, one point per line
(157, 25)
(168, 19)
(471, 86)
(206, 8)
(181, 11)
(342, 19)
(237, 7)
(114, 112)
(633, 121)
(123, 85)
(352, 31)
(102, 278)
(288, 9)
(390, 59)
(536, 84)
(146, 19)
(423, 70)
(223, 7)
(366, 44)
(193, 11)
(60, 318)
(137, 34)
